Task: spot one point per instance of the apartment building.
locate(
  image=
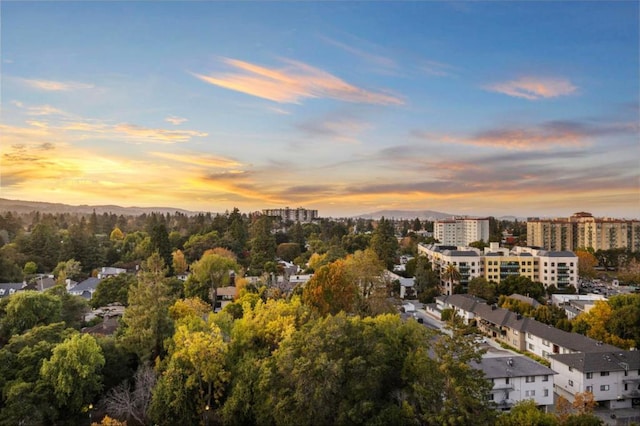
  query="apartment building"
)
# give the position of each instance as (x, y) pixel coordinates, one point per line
(516, 379)
(613, 377)
(559, 269)
(467, 261)
(461, 231)
(582, 230)
(294, 215)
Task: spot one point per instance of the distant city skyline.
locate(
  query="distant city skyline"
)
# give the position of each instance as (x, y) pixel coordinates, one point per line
(476, 108)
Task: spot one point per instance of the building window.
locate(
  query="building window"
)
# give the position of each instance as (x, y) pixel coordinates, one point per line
(590, 389)
(545, 342)
(530, 393)
(531, 379)
(545, 378)
(530, 346)
(604, 373)
(546, 392)
(589, 375)
(571, 383)
(604, 387)
(506, 380)
(490, 397)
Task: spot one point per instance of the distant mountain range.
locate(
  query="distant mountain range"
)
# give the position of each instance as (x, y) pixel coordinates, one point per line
(19, 206)
(407, 214)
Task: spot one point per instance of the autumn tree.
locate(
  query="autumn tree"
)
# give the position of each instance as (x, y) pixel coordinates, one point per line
(331, 289)
(586, 263)
(179, 262)
(598, 322)
(214, 271)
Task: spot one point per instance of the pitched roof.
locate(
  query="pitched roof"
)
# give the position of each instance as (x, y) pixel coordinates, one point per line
(591, 362)
(88, 284)
(574, 341)
(7, 287)
(466, 302)
(516, 366)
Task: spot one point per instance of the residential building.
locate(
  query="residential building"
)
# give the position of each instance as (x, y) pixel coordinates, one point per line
(293, 215)
(461, 231)
(516, 379)
(7, 289)
(613, 376)
(467, 261)
(582, 230)
(85, 288)
(108, 271)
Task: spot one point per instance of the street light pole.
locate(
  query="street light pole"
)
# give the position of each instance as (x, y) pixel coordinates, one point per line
(90, 410)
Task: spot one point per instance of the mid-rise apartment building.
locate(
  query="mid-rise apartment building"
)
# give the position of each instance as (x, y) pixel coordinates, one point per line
(467, 261)
(461, 231)
(294, 215)
(582, 230)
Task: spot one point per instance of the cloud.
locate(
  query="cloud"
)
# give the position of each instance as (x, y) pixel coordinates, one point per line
(175, 120)
(534, 88)
(293, 83)
(56, 86)
(39, 110)
(378, 60)
(438, 69)
(546, 135)
(148, 134)
(339, 127)
(199, 159)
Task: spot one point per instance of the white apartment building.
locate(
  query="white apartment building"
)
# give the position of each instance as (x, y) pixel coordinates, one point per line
(461, 232)
(613, 377)
(294, 215)
(467, 260)
(516, 379)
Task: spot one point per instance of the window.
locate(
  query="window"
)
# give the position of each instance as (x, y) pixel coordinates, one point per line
(546, 392)
(530, 346)
(590, 389)
(571, 383)
(604, 373)
(490, 397)
(604, 387)
(626, 373)
(531, 379)
(570, 368)
(589, 375)
(530, 393)
(545, 378)
(545, 342)
(506, 380)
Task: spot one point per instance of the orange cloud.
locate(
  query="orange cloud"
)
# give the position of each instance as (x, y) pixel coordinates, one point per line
(147, 134)
(56, 86)
(295, 82)
(534, 88)
(199, 159)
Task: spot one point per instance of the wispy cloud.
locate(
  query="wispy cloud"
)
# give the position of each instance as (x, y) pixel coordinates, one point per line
(38, 110)
(203, 160)
(175, 120)
(543, 136)
(534, 88)
(339, 127)
(147, 134)
(379, 60)
(438, 69)
(56, 86)
(293, 83)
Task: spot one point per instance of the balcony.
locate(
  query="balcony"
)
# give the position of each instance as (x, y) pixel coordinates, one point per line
(501, 387)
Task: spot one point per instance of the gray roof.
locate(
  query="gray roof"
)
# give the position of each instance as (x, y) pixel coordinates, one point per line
(556, 253)
(466, 302)
(516, 366)
(459, 253)
(88, 284)
(9, 286)
(574, 341)
(592, 362)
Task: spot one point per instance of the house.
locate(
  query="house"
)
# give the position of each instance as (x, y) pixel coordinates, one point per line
(517, 378)
(7, 289)
(108, 271)
(224, 296)
(41, 283)
(612, 376)
(85, 288)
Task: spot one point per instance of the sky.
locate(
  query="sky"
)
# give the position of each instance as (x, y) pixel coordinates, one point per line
(468, 108)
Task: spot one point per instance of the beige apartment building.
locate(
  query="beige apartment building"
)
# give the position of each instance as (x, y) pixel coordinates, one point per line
(582, 230)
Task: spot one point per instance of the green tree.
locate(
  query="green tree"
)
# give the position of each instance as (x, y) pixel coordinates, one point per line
(113, 290)
(525, 413)
(263, 244)
(30, 268)
(451, 275)
(288, 251)
(214, 271)
(74, 372)
(146, 320)
(480, 287)
(27, 309)
(385, 243)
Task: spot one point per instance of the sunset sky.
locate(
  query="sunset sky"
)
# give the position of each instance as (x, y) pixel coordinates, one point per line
(476, 108)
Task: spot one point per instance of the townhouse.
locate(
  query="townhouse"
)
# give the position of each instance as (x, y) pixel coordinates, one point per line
(612, 376)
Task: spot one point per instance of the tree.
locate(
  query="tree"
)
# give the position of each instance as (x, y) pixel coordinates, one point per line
(288, 251)
(116, 235)
(214, 271)
(30, 268)
(160, 243)
(131, 401)
(179, 262)
(525, 413)
(480, 287)
(113, 290)
(367, 272)
(146, 320)
(597, 321)
(384, 242)
(27, 309)
(73, 371)
(586, 263)
(451, 275)
(263, 245)
(331, 289)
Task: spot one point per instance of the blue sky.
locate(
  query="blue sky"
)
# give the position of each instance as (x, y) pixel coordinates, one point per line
(478, 108)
